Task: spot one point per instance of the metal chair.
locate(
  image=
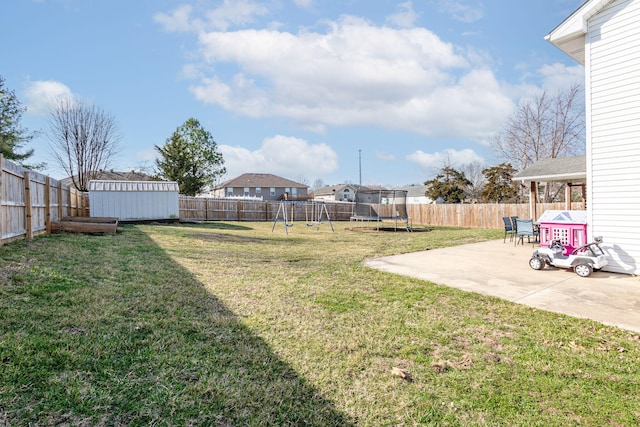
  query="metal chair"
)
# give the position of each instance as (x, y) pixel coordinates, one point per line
(514, 224)
(508, 229)
(525, 228)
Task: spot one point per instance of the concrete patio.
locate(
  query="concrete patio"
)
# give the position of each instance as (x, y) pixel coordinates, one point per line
(502, 270)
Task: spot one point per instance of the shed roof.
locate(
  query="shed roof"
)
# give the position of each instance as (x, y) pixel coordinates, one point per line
(140, 186)
(569, 36)
(252, 180)
(558, 169)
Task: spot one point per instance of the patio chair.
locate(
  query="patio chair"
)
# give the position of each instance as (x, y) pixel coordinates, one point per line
(514, 223)
(525, 228)
(508, 229)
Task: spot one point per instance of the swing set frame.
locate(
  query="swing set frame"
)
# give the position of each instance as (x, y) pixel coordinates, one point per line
(314, 212)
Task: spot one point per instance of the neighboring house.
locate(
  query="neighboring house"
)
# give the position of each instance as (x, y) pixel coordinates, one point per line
(416, 194)
(263, 186)
(340, 193)
(604, 36)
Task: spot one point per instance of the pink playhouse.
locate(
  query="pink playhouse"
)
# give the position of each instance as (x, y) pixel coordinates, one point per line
(570, 227)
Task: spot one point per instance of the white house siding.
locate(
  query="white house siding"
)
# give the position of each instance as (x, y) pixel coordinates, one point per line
(612, 66)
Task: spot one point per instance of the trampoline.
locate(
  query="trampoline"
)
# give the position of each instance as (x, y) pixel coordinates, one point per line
(381, 206)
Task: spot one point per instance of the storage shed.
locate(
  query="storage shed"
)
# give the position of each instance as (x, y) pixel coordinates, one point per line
(134, 200)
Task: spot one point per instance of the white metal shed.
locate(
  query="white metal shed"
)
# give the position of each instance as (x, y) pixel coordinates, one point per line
(134, 200)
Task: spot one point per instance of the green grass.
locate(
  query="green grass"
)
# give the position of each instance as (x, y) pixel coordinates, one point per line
(231, 324)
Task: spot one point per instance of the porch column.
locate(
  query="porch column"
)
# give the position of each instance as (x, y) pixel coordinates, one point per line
(567, 196)
(533, 200)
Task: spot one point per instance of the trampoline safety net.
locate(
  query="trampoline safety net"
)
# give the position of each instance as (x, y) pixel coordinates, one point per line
(380, 205)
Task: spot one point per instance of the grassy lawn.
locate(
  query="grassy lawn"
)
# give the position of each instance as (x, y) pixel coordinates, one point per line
(231, 324)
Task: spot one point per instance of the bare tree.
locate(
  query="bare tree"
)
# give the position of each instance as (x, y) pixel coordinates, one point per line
(543, 127)
(473, 172)
(317, 184)
(84, 140)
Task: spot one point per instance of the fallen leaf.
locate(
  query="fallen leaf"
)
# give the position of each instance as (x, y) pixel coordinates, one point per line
(402, 373)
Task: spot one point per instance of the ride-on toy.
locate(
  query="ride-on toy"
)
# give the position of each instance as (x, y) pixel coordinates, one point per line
(582, 260)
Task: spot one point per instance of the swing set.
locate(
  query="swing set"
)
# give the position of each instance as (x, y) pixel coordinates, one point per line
(315, 213)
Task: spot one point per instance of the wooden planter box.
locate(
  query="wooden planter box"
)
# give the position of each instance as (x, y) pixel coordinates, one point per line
(79, 224)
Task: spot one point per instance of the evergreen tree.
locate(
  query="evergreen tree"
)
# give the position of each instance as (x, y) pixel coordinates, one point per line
(12, 135)
(450, 185)
(499, 187)
(190, 157)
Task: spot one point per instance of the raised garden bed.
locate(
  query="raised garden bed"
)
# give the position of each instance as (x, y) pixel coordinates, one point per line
(89, 225)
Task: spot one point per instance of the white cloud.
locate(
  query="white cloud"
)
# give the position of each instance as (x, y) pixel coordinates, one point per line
(449, 157)
(285, 156)
(355, 73)
(42, 96)
(148, 155)
(405, 17)
(462, 11)
(558, 76)
(179, 20)
(229, 13)
(304, 4)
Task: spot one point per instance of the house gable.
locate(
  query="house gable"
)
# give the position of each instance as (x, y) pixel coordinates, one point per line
(570, 35)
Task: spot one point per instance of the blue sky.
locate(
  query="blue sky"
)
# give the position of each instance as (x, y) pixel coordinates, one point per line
(291, 87)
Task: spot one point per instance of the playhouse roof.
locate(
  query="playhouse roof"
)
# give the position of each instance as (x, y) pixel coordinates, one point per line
(140, 186)
(564, 217)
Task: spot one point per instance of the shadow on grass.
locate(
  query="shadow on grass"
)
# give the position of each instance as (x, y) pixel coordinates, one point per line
(126, 336)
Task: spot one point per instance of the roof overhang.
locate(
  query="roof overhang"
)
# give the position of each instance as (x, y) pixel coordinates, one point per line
(558, 177)
(570, 35)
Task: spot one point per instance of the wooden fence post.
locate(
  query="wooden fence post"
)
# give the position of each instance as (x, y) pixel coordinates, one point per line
(27, 205)
(60, 198)
(47, 205)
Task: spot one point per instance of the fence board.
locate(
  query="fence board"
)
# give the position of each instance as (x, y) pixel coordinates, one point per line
(475, 216)
(29, 200)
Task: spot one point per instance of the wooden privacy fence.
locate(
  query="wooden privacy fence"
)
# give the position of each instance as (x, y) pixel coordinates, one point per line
(454, 215)
(210, 209)
(30, 201)
(478, 215)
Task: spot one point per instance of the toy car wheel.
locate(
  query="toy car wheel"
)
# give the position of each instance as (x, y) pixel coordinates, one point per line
(583, 270)
(536, 263)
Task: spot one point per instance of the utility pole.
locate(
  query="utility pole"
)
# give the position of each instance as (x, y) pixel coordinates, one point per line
(360, 165)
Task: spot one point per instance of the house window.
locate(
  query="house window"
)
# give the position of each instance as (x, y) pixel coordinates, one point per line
(258, 190)
(273, 192)
(246, 191)
(230, 191)
(294, 192)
